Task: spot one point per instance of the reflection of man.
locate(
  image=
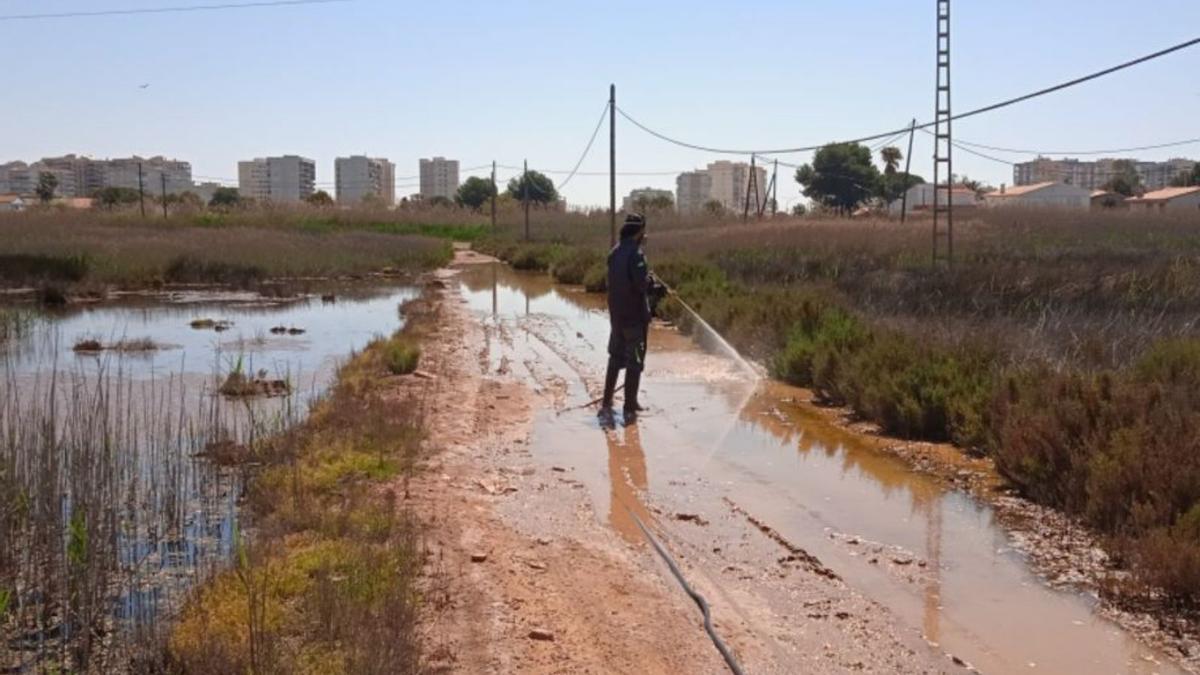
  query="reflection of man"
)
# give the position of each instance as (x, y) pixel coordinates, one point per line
(627, 480)
(630, 287)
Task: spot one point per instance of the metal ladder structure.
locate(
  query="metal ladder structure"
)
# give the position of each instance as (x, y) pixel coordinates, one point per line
(943, 200)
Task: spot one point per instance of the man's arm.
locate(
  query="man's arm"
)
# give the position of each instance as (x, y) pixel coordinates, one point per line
(639, 273)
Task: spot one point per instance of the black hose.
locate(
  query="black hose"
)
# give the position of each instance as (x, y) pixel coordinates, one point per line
(730, 659)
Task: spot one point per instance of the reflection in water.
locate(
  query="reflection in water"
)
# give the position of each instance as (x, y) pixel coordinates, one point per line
(627, 477)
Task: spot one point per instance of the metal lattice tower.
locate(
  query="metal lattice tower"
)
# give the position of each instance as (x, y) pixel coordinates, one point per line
(943, 203)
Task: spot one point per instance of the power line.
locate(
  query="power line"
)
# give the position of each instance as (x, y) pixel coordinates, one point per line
(970, 113)
(586, 149)
(165, 10)
(1157, 146)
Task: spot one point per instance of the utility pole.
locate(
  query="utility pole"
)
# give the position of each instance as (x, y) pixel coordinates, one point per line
(493, 195)
(612, 165)
(141, 191)
(768, 194)
(163, 176)
(525, 196)
(752, 181)
(912, 130)
(943, 144)
(775, 188)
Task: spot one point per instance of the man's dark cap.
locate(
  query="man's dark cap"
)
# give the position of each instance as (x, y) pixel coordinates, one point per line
(634, 224)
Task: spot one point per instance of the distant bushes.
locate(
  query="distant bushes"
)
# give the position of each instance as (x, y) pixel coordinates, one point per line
(186, 269)
(401, 355)
(21, 268)
(573, 266)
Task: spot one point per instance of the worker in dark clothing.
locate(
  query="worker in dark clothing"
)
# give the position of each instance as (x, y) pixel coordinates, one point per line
(631, 290)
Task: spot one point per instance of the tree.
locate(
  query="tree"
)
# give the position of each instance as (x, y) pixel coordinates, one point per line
(841, 176)
(891, 157)
(438, 200)
(320, 199)
(474, 193)
(111, 197)
(46, 185)
(225, 196)
(540, 188)
(1125, 179)
(714, 208)
(799, 210)
(891, 187)
(655, 203)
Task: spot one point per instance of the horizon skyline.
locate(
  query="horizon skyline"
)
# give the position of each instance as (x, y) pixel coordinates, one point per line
(455, 96)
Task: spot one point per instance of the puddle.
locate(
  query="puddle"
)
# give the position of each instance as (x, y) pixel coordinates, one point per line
(934, 556)
(127, 465)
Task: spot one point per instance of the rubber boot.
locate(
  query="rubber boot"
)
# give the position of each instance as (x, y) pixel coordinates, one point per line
(610, 383)
(633, 378)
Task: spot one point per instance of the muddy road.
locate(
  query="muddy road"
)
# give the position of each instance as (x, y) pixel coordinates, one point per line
(817, 551)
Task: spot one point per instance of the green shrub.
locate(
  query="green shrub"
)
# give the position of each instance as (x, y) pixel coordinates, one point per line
(29, 268)
(572, 266)
(401, 355)
(595, 280)
(536, 257)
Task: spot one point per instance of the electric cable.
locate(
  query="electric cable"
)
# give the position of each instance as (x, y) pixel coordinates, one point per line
(1156, 146)
(970, 113)
(166, 10)
(586, 149)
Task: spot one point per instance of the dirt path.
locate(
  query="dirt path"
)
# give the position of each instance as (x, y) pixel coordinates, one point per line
(527, 575)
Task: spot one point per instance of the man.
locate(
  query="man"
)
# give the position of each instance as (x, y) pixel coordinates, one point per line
(631, 286)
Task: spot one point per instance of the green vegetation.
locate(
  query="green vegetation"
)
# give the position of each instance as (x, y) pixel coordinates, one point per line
(328, 584)
(474, 193)
(533, 186)
(401, 355)
(320, 199)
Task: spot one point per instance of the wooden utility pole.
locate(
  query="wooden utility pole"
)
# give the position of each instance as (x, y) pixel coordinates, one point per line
(907, 163)
(612, 165)
(525, 196)
(493, 195)
(141, 191)
(163, 176)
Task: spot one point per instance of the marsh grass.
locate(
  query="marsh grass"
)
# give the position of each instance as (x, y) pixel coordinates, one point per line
(327, 582)
(70, 249)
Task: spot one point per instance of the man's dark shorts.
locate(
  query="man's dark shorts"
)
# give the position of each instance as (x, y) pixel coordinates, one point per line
(627, 344)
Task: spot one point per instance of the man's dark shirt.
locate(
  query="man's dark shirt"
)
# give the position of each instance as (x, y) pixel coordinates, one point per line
(628, 283)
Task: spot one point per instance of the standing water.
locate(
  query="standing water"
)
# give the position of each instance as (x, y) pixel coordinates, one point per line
(935, 557)
(114, 502)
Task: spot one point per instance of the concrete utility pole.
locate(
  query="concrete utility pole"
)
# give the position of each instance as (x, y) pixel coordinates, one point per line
(525, 196)
(163, 176)
(752, 181)
(612, 165)
(493, 195)
(141, 191)
(907, 163)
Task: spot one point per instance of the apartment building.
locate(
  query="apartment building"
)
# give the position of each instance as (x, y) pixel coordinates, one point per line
(124, 173)
(286, 179)
(82, 176)
(1094, 175)
(692, 190)
(17, 178)
(439, 178)
(358, 176)
(638, 199)
(731, 181)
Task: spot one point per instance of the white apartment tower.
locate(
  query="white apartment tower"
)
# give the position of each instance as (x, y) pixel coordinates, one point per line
(692, 190)
(287, 179)
(123, 173)
(439, 178)
(359, 176)
(731, 180)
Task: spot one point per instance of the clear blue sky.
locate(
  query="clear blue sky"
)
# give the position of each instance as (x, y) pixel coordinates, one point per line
(512, 80)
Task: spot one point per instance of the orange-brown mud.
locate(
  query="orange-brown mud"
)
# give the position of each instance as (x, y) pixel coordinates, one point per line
(818, 551)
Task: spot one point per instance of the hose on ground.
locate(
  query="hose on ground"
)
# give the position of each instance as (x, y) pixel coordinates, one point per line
(730, 659)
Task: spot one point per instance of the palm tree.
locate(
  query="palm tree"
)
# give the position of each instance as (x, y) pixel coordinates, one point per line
(891, 157)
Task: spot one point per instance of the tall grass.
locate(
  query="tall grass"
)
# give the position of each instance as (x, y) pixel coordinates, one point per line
(106, 514)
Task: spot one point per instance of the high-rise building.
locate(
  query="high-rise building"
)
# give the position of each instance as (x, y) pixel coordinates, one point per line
(16, 178)
(1094, 175)
(692, 191)
(730, 182)
(123, 173)
(439, 178)
(289, 178)
(358, 176)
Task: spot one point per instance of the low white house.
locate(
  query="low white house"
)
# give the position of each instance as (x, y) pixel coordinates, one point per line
(1049, 195)
(1167, 199)
(920, 198)
(12, 203)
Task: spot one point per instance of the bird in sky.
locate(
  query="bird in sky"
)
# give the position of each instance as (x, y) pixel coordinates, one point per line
(144, 86)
